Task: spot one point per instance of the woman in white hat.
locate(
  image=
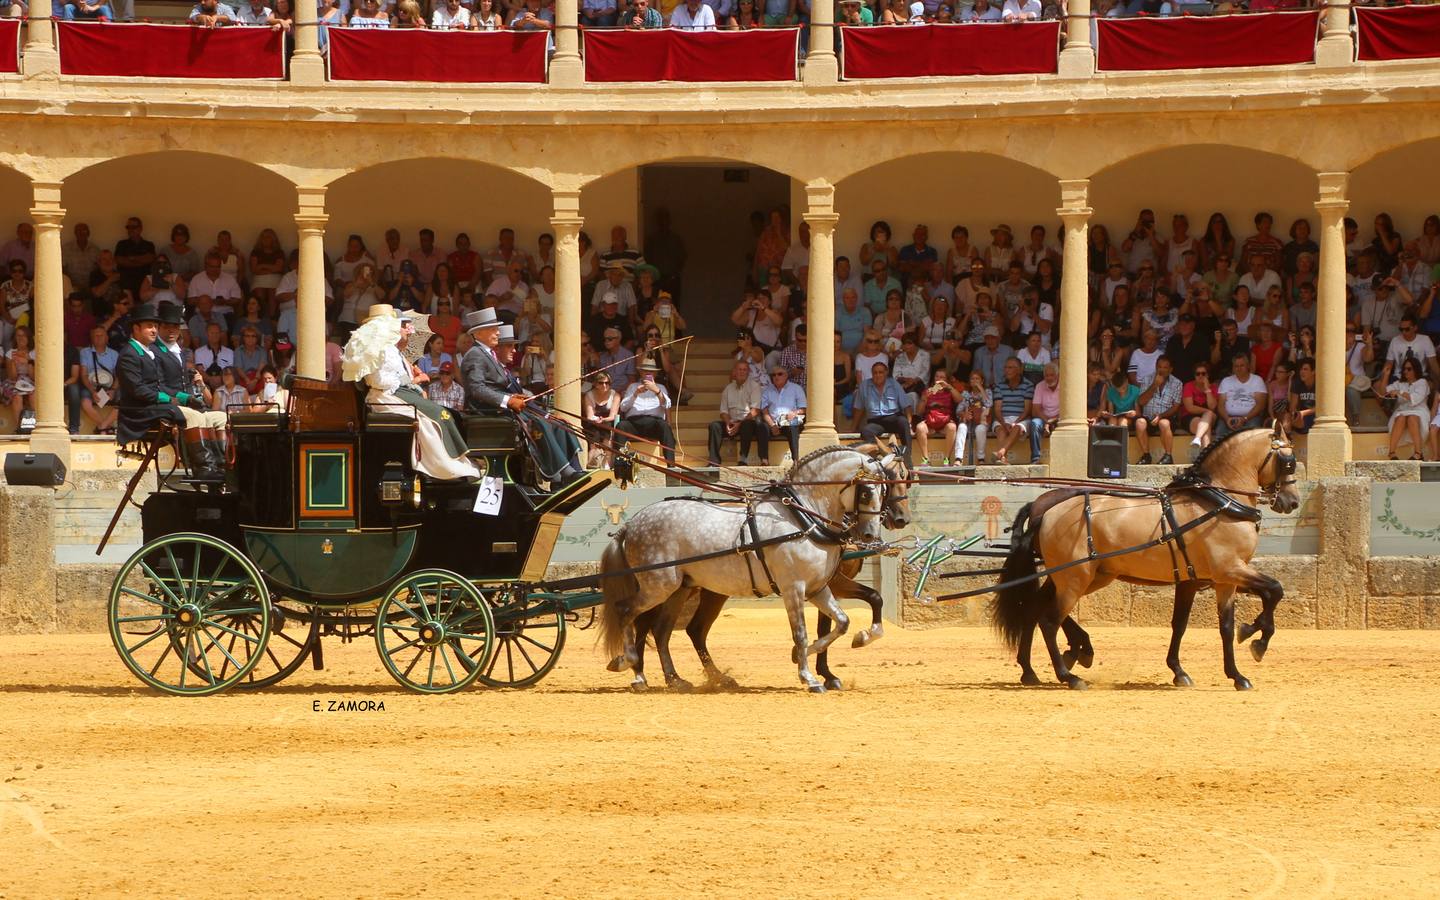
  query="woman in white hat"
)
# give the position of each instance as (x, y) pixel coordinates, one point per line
(372, 355)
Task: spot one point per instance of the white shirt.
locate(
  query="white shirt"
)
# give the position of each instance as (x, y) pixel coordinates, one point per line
(1142, 365)
(442, 18)
(1239, 396)
(290, 284)
(1021, 10)
(919, 367)
(737, 400)
(205, 357)
(703, 19)
(796, 258)
(220, 289)
(247, 16)
(1259, 287)
(644, 403)
(1421, 347)
(383, 256)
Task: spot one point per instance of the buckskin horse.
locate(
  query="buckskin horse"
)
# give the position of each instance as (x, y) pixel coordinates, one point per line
(787, 540)
(1198, 531)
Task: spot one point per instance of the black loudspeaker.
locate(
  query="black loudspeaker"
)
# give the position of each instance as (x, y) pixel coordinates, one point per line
(35, 469)
(1109, 451)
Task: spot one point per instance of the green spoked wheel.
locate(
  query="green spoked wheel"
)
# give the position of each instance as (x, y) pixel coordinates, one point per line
(434, 632)
(528, 641)
(172, 612)
(294, 631)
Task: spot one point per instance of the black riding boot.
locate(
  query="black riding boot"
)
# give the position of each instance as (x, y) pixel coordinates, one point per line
(200, 455)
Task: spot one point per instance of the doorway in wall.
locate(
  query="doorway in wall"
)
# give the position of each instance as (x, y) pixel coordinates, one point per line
(706, 252)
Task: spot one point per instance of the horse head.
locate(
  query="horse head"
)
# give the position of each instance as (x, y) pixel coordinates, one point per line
(1279, 469)
(844, 485)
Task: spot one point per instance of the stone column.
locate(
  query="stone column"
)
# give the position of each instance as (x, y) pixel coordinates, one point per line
(569, 304)
(310, 293)
(821, 65)
(566, 69)
(1069, 444)
(1328, 444)
(41, 58)
(306, 65)
(51, 434)
(1335, 47)
(1077, 60)
(820, 319)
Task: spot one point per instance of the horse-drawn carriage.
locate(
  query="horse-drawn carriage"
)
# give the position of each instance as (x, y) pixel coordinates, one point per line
(330, 532)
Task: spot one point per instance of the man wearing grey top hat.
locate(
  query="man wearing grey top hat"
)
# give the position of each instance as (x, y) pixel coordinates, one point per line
(490, 387)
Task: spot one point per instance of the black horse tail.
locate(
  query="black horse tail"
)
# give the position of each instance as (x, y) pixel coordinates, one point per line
(1016, 608)
(619, 591)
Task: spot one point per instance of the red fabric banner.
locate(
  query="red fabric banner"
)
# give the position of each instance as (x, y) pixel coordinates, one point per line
(9, 45)
(169, 51)
(982, 48)
(1401, 32)
(667, 55)
(1207, 42)
(467, 57)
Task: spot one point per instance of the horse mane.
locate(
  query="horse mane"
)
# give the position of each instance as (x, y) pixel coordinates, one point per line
(1198, 473)
(816, 454)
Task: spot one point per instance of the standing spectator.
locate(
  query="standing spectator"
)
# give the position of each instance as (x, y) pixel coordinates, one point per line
(740, 417)
(1300, 243)
(452, 16)
(1387, 243)
(991, 358)
(797, 260)
(255, 13)
(1217, 242)
(774, 240)
(212, 14)
(915, 258)
(465, 264)
(221, 290)
(393, 254)
(1243, 397)
(937, 416)
(1160, 402)
(693, 15)
(427, 256)
(1014, 414)
(133, 256)
(355, 254)
(78, 321)
(615, 286)
(1263, 244)
(79, 258)
(597, 13)
(884, 407)
(620, 252)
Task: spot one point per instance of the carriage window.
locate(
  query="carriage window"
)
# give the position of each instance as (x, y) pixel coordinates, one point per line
(327, 490)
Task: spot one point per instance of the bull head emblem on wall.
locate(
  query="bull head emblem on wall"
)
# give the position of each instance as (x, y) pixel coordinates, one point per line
(615, 511)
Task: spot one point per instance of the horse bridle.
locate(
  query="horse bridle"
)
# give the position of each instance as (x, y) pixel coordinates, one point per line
(1282, 452)
(865, 493)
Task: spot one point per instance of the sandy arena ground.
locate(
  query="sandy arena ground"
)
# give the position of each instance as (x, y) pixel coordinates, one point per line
(934, 774)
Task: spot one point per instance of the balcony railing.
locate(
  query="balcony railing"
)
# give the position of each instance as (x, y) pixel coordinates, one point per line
(125, 50)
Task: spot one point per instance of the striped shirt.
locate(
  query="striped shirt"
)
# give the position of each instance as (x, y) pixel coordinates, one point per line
(1012, 399)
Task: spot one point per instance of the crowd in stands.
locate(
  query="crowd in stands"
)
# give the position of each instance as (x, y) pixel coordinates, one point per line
(952, 346)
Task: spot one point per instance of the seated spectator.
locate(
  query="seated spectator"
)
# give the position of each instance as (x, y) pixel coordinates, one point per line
(1278, 386)
(408, 15)
(486, 18)
(1159, 404)
(254, 319)
(984, 318)
(445, 390)
(851, 320)
(883, 406)
(598, 13)
(600, 414)
(82, 10)
(664, 316)
(1096, 383)
(1141, 367)
(972, 420)
(451, 16)
(464, 263)
(531, 17)
(222, 290)
(782, 408)
(990, 358)
(213, 357)
(1409, 344)
(614, 284)
(78, 321)
(781, 13)
(954, 359)
(1435, 428)
(79, 259)
(408, 291)
(844, 375)
(434, 356)
(1033, 358)
(1014, 413)
(98, 370)
(205, 317)
(251, 358)
(616, 359)
(1243, 398)
(1411, 410)
(17, 295)
(693, 15)
(18, 387)
(212, 14)
(609, 319)
(758, 313)
(645, 410)
(1046, 402)
(937, 416)
(740, 417)
(1267, 352)
(1200, 403)
(532, 326)
(794, 357)
(231, 395)
(912, 368)
(369, 15)
(852, 12)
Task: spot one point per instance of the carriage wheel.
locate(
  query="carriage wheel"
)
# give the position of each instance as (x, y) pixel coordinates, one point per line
(171, 612)
(528, 644)
(294, 631)
(434, 632)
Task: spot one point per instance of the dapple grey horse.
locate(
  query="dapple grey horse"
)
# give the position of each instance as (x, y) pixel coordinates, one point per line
(829, 495)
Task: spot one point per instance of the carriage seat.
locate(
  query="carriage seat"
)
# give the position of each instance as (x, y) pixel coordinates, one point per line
(161, 435)
(491, 433)
(382, 421)
(259, 422)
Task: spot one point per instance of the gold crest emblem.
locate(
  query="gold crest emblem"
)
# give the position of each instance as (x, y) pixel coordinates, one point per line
(327, 547)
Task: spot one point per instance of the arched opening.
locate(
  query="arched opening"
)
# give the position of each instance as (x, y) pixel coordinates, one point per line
(16, 198)
(204, 191)
(1375, 187)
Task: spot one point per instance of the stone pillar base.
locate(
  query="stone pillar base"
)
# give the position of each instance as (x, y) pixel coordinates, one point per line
(816, 436)
(1069, 451)
(1077, 62)
(1326, 452)
(307, 69)
(821, 69)
(27, 560)
(567, 72)
(41, 62)
(1335, 51)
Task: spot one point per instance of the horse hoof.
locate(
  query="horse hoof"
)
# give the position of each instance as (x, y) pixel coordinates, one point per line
(1257, 650)
(638, 687)
(833, 684)
(1086, 658)
(618, 664)
(1242, 684)
(861, 639)
(1246, 632)
(1069, 656)
(1183, 680)
(725, 683)
(817, 688)
(1030, 678)
(1077, 683)
(680, 686)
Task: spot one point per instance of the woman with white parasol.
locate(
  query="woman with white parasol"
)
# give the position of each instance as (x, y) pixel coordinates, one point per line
(373, 355)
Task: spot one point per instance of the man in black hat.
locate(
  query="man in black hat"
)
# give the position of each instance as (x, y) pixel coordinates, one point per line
(144, 402)
(490, 386)
(176, 377)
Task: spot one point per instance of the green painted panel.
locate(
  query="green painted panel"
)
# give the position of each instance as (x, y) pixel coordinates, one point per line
(328, 478)
(331, 564)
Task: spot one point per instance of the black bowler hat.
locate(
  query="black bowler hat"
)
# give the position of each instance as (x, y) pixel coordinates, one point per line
(145, 312)
(171, 314)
